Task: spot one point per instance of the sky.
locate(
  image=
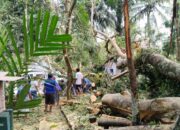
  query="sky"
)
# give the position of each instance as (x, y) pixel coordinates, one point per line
(160, 24)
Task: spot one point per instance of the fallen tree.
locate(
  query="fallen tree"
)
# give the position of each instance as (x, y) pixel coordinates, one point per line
(149, 109)
(163, 65)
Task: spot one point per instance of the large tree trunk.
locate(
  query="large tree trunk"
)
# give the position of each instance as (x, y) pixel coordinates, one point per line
(131, 68)
(163, 65)
(149, 109)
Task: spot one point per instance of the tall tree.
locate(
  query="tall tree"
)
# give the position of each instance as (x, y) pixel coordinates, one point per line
(177, 32)
(149, 9)
(172, 25)
(65, 51)
(132, 71)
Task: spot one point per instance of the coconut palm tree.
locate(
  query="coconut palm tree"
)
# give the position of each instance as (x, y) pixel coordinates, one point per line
(152, 10)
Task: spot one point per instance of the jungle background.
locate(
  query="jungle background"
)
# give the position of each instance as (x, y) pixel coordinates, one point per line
(92, 36)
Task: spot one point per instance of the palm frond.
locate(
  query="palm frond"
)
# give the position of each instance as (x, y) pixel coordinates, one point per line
(14, 45)
(44, 28)
(10, 69)
(39, 39)
(29, 104)
(26, 44)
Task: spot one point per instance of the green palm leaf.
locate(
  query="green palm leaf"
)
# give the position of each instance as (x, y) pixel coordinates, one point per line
(31, 35)
(9, 56)
(46, 42)
(23, 94)
(10, 69)
(14, 45)
(21, 103)
(37, 29)
(29, 104)
(26, 48)
(44, 28)
(46, 53)
(45, 39)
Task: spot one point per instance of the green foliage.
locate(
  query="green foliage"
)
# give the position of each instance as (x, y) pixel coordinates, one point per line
(121, 41)
(153, 84)
(39, 39)
(45, 42)
(120, 85)
(82, 15)
(112, 3)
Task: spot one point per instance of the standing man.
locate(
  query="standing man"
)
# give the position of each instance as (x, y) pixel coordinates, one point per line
(49, 91)
(79, 81)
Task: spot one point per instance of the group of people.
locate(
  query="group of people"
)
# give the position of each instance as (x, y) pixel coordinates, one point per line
(81, 84)
(51, 89)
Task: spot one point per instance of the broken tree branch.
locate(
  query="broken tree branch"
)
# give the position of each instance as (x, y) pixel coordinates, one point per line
(119, 75)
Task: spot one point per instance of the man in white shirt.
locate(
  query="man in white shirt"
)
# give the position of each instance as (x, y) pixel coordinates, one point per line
(79, 81)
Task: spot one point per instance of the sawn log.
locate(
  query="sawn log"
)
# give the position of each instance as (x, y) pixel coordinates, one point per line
(148, 108)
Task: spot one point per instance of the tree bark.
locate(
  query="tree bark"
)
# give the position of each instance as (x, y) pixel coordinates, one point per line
(131, 68)
(113, 43)
(107, 121)
(65, 51)
(149, 109)
(119, 75)
(163, 65)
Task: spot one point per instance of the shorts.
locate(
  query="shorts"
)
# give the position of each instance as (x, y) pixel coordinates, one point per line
(34, 94)
(78, 87)
(49, 99)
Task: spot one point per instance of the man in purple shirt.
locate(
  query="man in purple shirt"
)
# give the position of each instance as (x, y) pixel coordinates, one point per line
(49, 91)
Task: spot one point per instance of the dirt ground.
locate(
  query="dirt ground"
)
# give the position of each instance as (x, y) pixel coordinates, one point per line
(75, 110)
